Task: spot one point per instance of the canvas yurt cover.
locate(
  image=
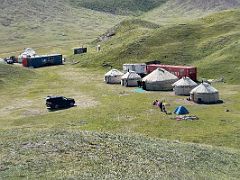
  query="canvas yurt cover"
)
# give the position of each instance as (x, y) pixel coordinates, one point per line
(180, 110)
(113, 76)
(204, 93)
(159, 80)
(130, 79)
(184, 86)
(28, 52)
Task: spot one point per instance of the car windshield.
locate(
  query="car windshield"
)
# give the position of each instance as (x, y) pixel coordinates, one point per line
(65, 98)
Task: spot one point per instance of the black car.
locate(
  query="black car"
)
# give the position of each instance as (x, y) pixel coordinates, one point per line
(56, 102)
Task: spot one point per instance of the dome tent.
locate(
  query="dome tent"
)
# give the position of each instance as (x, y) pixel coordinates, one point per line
(204, 93)
(130, 79)
(159, 80)
(113, 76)
(181, 110)
(184, 86)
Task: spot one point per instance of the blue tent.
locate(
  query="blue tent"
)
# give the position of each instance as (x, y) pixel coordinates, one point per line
(181, 110)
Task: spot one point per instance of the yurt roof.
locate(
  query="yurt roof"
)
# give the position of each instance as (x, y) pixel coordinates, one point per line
(131, 75)
(29, 52)
(204, 88)
(114, 72)
(160, 74)
(185, 81)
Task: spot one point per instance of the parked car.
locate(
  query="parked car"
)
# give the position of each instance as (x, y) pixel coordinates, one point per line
(56, 102)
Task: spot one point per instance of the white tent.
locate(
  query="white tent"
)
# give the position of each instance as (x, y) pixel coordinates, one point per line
(28, 52)
(159, 79)
(204, 93)
(130, 79)
(113, 76)
(184, 86)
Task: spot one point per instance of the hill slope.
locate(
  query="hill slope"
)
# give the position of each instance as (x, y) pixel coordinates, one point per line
(178, 9)
(49, 23)
(119, 7)
(89, 155)
(13, 75)
(211, 43)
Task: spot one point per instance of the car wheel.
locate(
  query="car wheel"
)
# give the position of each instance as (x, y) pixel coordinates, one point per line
(56, 106)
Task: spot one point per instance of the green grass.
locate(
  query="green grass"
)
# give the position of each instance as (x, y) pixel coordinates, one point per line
(40, 143)
(12, 76)
(175, 11)
(117, 109)
(86, 155)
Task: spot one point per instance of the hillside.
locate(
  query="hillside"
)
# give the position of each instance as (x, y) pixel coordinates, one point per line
(88, 155)
(124, 7)
(13, 75)
(188, 9)
(211, 43)
(49, 25)
(57, 26)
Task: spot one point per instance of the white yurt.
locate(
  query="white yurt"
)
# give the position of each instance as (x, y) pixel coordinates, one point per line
(184, 86)
(159, 80)
(204, 93)
(130, 79)
(28, 52)
(113, 76)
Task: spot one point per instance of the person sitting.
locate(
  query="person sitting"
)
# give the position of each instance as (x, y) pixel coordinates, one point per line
(155, 103)
(161, 105)
(164, 109)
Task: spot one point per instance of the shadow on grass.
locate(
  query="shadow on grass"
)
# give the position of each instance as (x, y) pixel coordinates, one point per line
(213, 103)
(60, 109)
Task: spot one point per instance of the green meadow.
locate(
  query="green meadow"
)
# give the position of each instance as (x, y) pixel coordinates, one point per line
(76, 142)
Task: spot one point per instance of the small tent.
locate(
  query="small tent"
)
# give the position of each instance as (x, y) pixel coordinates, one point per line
(159, 80)
(184, 86)
(113, 76)
(130, 79)
(204, 93)
(28, 52)
(181, 110)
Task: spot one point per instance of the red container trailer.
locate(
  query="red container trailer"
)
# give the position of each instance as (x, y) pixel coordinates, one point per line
(179, 71)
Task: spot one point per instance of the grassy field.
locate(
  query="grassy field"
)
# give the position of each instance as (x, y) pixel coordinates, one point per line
(29, 130)
(117, 109)
(85, 155)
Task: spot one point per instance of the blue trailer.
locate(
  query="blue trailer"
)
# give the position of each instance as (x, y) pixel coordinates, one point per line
(44, 60)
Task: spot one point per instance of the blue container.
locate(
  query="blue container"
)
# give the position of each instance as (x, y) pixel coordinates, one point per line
(45, 60)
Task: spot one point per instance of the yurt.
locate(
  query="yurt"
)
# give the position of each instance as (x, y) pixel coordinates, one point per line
(113, 76)
(204, 93)
(28, 52)
(130, 79)
(159, 80)
(184, 86)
